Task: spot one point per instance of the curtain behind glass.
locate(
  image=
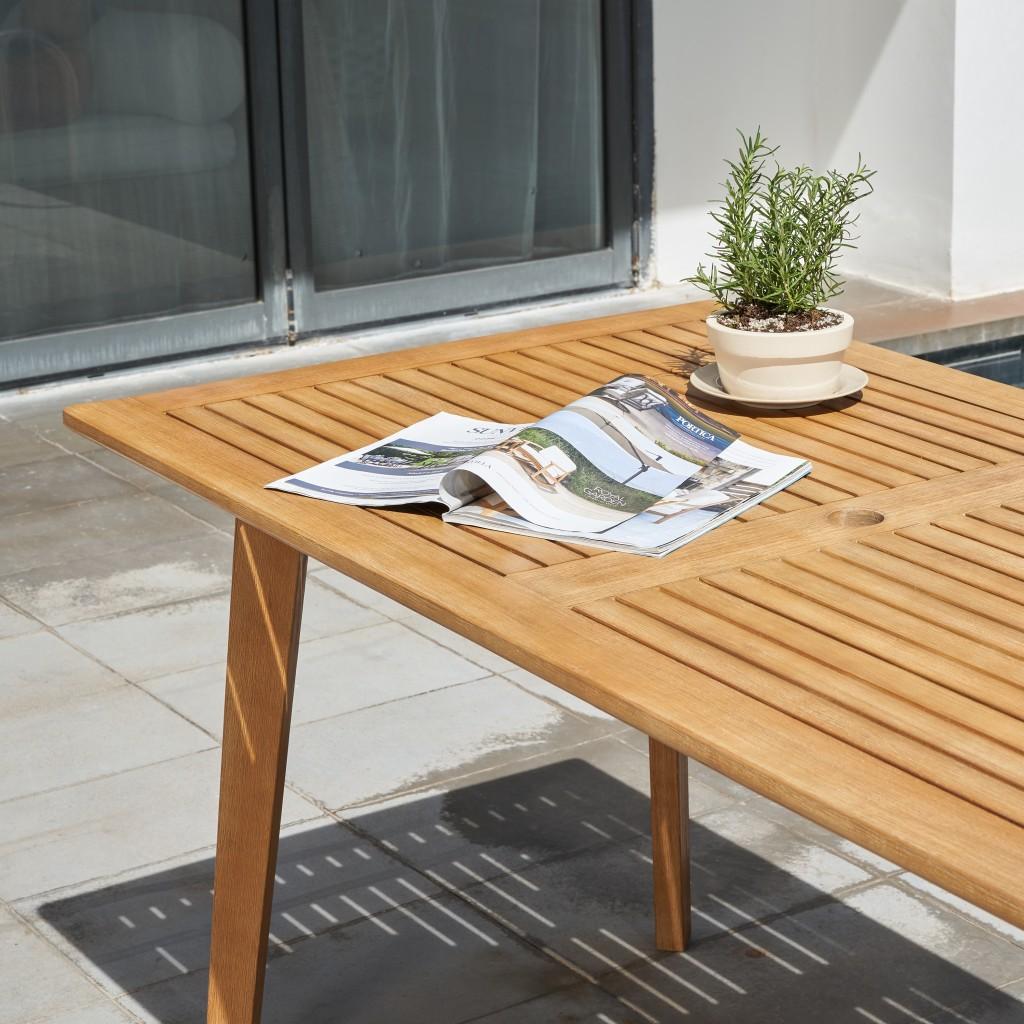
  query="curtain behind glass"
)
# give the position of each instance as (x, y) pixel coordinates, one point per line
(124, 161)
(450, 134)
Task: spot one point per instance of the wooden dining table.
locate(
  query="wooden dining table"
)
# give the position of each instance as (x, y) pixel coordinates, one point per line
(851, 648)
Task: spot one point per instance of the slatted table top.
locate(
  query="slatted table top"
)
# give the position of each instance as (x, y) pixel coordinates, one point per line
(852, 648)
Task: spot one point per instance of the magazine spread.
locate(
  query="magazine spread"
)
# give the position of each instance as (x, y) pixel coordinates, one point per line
(629, 467)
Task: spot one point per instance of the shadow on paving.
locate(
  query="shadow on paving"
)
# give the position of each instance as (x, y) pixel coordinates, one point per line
(524, 900)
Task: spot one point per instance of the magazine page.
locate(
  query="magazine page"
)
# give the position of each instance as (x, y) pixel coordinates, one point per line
(727, 486)
(603, 460)
(406, 467)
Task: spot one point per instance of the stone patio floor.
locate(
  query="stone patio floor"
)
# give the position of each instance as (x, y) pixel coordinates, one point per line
(462, 841)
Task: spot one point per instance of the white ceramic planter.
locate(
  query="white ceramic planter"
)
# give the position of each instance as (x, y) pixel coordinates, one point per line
(793, 365)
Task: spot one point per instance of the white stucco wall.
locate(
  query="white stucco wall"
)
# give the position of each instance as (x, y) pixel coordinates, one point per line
(988, 161)
(825, 80)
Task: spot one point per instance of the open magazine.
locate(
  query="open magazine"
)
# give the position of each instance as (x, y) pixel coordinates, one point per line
(629, 467)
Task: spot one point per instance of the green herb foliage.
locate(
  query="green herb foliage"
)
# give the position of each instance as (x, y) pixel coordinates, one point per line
(780, 233)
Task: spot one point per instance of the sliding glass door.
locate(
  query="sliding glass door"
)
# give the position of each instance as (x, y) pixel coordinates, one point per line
(127, 228)
(446, 154)
(165, 163)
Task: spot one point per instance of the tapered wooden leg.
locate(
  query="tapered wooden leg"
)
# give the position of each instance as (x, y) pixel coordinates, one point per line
(670, 832)
(266, 607)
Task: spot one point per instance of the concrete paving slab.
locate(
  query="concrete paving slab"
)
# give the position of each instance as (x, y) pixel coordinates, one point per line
(1005, 1006)
(124, 579)
(467, 648)
(582, 1004)
(802, 862)
(430, 738)
(844, 959)
(62, 743)
(43, 672)
(106, 1012)
(608, 885)
(359, 592)
(195, 506)
(819, 836)
(961, 906)
(14, 623)
(49, 427)
(542, 688)
(39, 983)
(152, 925)
(111, 462)
(18, 446)
(109, 825)
(187, 634)
(512, 817)
(402, 969)
(335, 675)
(38, 486)
(92, 529)
(948, 936)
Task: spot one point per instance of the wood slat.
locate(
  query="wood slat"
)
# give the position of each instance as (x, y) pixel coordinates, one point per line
(475, 545)
(551, 393)
(943, 381)
(361, 395)
(773, 588)
(967, 451)
(455, 397)
(575, 364)
(971, 412)
(818, 492)
(835, 434)
(283, 459)
(967, 548)
(826, 716)
(924, 572)
(1008, 442)
(981, 580)
(870, 686)
(256, 421)
(373, 423)
(343, 437)
(897, 439)
(1005, 519)
(526, 405)
(953, 611)
(991, 536)
(395, 390)
(542, 552)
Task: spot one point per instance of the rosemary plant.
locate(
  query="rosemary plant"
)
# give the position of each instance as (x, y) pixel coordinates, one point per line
(779, 236)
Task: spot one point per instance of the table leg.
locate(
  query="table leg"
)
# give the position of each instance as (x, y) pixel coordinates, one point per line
(670, 828)
(268, 579)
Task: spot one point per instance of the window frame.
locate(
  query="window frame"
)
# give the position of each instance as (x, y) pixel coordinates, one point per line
(621, 263)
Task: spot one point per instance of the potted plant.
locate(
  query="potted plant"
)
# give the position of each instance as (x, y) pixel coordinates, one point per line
(779, 236)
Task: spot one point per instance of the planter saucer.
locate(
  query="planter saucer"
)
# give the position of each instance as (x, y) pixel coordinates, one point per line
(707, 383)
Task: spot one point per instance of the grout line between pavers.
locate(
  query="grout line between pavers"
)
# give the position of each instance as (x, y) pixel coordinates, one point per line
(105, 775)
(396, 700)
(446, 784)
(579, 715)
